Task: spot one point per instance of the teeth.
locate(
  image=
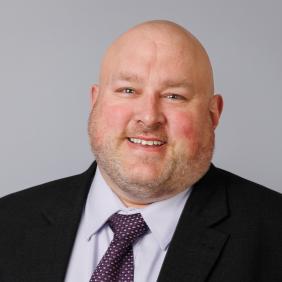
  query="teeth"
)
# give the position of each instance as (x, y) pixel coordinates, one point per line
(146, 142)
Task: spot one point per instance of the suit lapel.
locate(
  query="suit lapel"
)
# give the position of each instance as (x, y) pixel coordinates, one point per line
(48, 245)
(193, 251)
(196, 244)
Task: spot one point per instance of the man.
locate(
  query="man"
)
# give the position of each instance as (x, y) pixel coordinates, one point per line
(152, 132)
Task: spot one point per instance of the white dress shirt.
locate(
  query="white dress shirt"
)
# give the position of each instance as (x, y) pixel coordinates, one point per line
(94, 235)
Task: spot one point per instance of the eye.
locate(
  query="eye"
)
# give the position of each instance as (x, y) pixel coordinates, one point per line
(127, 90)
(175, 97)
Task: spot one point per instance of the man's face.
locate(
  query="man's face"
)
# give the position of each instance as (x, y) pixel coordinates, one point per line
(151, 127)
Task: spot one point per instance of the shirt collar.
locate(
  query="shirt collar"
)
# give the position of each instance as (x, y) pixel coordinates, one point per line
(161, 217)
(101, 203)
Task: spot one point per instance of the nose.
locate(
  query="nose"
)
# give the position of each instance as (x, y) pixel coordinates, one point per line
(149, 112)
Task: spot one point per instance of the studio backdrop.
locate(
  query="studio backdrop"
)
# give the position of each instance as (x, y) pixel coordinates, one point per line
(50, 53)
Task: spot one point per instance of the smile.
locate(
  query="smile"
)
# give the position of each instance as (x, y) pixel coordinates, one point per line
(146, 142)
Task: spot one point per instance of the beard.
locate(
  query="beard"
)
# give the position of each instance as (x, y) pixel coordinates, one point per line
(177, 174)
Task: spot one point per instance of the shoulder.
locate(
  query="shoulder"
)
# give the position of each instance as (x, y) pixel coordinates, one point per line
(238, 186)
(37, 193)
(251, 199)
(27, 201)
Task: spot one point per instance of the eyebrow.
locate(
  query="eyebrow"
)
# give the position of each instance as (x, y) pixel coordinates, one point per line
(178, 84)
(130, 77)
(133, 77)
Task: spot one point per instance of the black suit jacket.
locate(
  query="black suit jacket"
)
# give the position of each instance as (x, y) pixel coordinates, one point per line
(230, 230)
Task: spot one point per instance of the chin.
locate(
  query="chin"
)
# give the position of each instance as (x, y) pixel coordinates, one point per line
(142, 174)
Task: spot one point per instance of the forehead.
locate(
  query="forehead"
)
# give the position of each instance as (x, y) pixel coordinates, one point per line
(139, 59)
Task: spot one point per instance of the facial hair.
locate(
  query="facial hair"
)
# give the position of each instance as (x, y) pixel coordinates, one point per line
(178, 174)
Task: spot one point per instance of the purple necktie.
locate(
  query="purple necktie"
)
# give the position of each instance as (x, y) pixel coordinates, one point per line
(117, 263)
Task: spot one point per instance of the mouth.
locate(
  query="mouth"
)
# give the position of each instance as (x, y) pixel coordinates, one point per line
(148, 142)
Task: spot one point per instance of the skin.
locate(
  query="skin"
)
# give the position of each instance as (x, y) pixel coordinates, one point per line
(155, 84)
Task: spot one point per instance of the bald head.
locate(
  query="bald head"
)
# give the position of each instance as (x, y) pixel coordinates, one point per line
(154, 113)
(160, 37)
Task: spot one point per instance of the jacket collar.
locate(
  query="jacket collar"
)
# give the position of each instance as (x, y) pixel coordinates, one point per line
(193, 251)
(48, 243)
(197, 244)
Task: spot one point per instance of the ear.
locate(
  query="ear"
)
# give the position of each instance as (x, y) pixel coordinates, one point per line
(216, 107)
(94, 94)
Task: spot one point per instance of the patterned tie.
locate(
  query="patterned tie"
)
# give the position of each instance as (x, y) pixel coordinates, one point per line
(117, 263)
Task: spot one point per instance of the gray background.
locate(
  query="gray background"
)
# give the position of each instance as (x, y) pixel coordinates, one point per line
(49, 57)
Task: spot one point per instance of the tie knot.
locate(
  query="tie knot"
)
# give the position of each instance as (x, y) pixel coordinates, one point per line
(128, 227)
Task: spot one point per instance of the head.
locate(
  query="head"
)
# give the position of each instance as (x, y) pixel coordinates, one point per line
(154, 113)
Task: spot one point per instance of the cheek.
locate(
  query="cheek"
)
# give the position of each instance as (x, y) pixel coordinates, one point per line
(107, 122)
(115, 116)
(183, 125)
(187, 130)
